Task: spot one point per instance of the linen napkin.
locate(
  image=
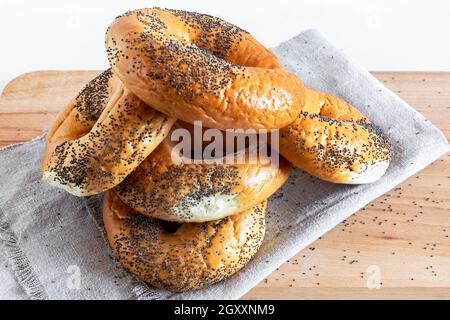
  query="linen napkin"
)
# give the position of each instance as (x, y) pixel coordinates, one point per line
(52, 243)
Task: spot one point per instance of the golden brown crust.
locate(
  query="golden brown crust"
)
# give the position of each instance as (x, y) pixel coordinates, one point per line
(162, 55)
(100, 137)
(335, 142)
(199, 192)
(196, 67)
(180, 257)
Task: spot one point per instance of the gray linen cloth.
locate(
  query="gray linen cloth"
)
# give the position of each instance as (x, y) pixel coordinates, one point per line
(48, 237)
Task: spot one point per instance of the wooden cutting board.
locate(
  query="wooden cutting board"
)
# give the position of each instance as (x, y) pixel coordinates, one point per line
(401, 239)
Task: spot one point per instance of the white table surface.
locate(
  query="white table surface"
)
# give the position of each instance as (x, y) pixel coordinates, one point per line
(381, 35)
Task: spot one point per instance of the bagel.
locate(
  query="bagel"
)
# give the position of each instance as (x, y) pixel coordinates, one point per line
(196, 67)
(100, 137)
(180, 257)
(335, 142)
(163, 188)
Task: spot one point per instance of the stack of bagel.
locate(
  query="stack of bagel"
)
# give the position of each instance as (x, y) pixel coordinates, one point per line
(181, 226)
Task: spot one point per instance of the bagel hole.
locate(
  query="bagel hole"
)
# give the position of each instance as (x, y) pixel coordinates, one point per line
(169, 226)
(232, 143)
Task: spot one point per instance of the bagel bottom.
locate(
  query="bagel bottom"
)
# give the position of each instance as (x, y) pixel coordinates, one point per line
(180, 257)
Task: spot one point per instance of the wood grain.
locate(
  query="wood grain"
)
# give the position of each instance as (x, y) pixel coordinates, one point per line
(405, 234)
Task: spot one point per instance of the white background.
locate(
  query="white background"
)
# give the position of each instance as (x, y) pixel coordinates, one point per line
(381, 34)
